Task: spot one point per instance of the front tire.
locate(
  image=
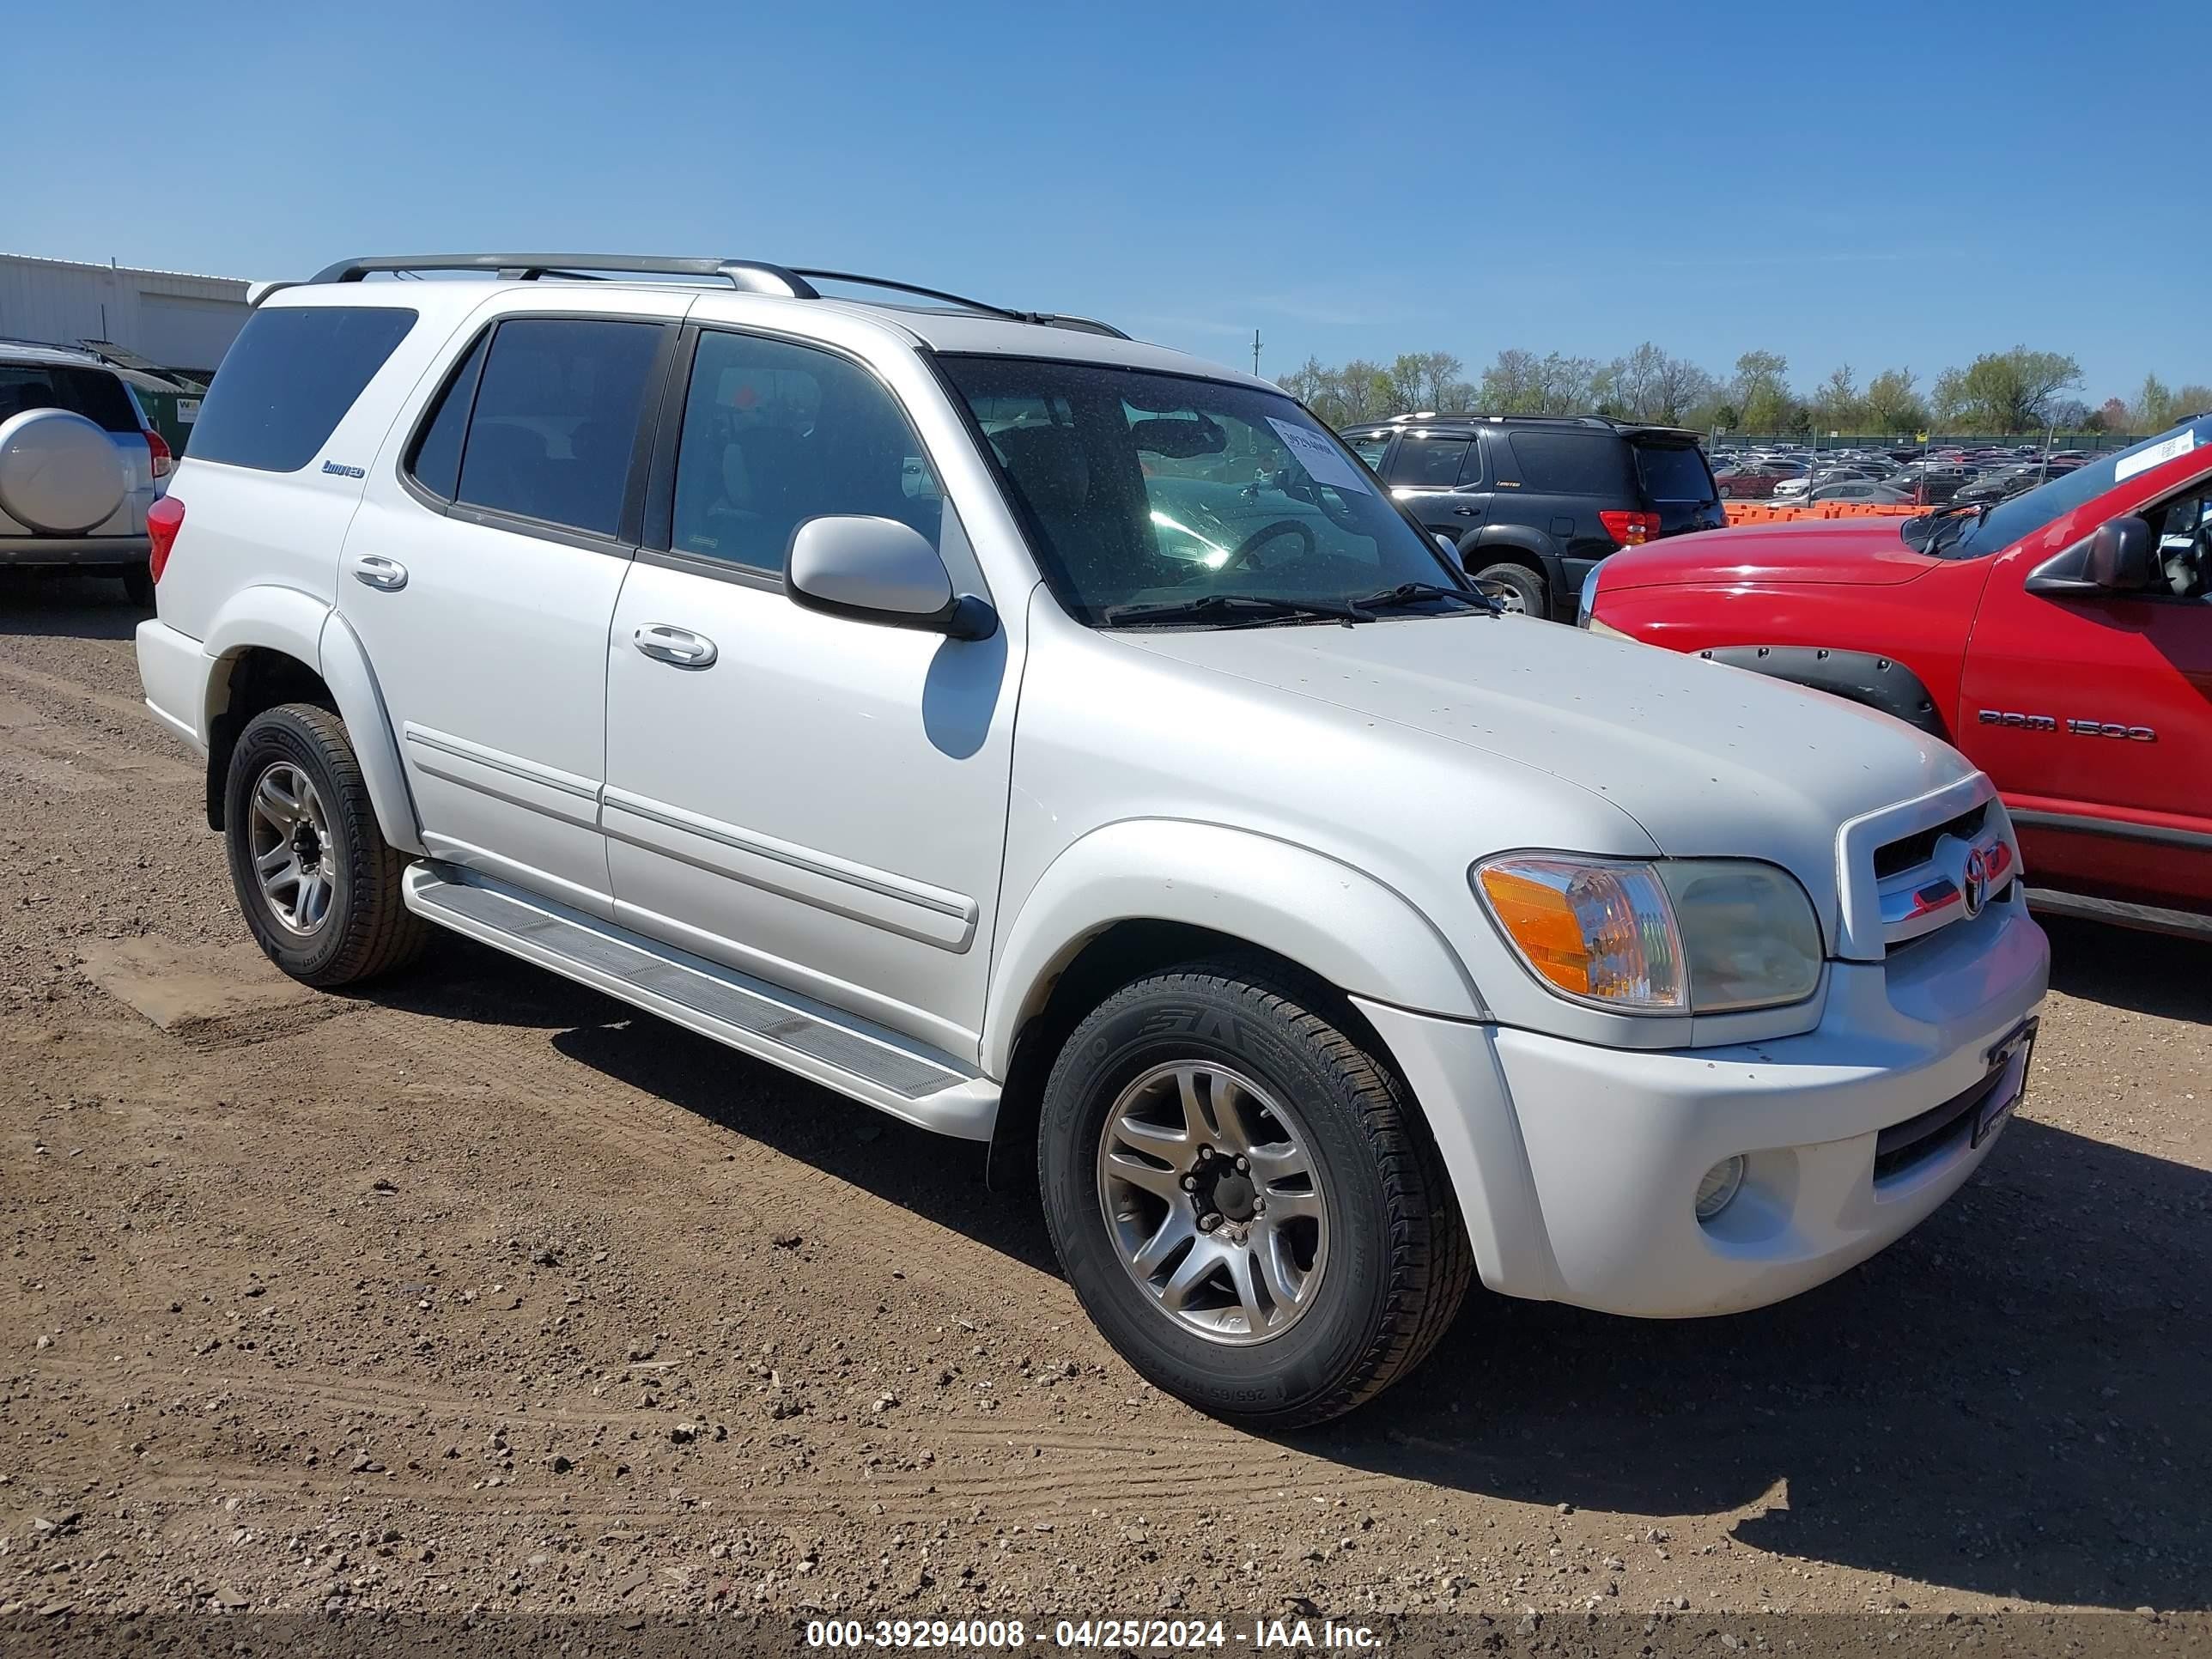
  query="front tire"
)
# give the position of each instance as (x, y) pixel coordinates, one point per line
(319, 885)
(1242, 1199)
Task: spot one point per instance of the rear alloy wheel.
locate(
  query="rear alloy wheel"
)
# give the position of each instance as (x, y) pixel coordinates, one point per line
(319, 885)
(1244, 1197)
(1516, 588)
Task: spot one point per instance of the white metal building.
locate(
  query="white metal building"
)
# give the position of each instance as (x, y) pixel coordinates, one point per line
(178, 321)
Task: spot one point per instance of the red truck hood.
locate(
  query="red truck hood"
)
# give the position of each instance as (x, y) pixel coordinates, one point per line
(1866, 551)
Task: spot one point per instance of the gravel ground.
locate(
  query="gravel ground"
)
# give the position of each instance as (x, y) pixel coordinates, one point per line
(480, 1291)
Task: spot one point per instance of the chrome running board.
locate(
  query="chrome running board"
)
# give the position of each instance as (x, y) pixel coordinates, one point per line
(856, 1057)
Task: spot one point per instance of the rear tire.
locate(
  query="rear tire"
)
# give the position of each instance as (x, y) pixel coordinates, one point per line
(1516, 588)
(138, 587)
(1343, 1290)
(319, 885)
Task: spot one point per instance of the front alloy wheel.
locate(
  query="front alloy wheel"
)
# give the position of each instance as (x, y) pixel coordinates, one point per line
(1243, 1195)
(1210, 1194)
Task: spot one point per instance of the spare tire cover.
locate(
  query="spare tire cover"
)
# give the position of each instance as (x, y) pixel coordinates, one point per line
(59, 473)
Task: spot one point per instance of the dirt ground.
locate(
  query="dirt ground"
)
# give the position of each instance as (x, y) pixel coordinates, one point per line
(479, 1291)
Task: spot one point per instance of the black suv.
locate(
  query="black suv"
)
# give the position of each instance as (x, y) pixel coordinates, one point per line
(1533, 502)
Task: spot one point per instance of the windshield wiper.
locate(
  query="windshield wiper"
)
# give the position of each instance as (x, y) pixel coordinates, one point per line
(1931, 540)
(1254, 607)
(1406, 593)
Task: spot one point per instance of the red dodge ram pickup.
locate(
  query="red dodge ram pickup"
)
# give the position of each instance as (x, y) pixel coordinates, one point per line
(2061, 639)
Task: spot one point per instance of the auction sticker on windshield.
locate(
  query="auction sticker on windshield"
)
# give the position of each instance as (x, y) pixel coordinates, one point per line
(1323, 464)
(2144, 460)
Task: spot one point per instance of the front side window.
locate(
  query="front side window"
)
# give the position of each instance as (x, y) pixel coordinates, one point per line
(1370, 446)
(2181, 545)
(288, 379)
(553, 431)
(1423, 462)
(1143, 490)
(775, 433)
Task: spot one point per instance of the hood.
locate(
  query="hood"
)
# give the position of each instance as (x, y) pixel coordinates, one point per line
(1865, 550)
(1710, 760)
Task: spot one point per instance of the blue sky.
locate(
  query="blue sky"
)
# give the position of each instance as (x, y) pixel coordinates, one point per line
(1901, 184)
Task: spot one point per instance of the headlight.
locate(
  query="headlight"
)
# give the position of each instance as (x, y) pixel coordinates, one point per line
(1673, 936)
(1588, 601)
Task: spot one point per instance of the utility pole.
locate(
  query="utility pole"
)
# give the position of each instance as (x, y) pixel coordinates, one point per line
(1255, 353)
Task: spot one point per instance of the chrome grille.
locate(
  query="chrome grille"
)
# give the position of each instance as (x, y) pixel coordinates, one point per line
(1907, 870)
(1958, 876)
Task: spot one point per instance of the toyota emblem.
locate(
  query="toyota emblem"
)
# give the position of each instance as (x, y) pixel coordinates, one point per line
(1974, 890)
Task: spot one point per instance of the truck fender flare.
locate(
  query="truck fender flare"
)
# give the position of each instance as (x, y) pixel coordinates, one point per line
(346, 671)
(1496, 542)
(1362, 936)
(1860, 676)
(267, 618)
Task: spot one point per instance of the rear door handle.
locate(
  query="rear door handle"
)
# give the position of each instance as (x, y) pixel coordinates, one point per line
(375, 570)
(1468, 512)
(679, 646)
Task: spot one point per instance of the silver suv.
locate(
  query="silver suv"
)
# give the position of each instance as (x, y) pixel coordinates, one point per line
(1063, 744)
(80, 465)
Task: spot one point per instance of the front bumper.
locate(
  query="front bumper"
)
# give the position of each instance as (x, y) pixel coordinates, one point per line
(1577, 1166)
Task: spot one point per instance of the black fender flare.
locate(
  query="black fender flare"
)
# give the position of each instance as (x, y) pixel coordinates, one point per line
(1860, 676)
(1498, 543)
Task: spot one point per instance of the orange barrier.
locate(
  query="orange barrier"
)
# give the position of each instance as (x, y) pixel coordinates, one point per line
(1760, 513)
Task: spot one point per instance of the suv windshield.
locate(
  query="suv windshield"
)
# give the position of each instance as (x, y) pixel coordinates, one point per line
(1146, 490)
(2026, 513)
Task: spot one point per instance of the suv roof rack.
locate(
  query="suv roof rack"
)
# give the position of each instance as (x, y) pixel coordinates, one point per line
(747, 276)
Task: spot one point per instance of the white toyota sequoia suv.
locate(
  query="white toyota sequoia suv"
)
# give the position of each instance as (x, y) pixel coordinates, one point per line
(1055, 741)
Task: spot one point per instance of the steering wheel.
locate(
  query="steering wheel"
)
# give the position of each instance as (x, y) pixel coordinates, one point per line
(1267, 533)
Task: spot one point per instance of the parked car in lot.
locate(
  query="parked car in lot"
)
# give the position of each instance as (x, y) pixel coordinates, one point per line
(2061, 638)
(80, 465)
(1531, 503)
(1861, 489)
(1755, 480)
(1321, 938)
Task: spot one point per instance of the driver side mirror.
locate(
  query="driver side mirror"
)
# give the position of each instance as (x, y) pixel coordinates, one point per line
(878, 570)
(2119, 556)
(2115, 558)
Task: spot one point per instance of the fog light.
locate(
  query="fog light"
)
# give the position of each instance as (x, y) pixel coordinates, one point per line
(1719, 1188)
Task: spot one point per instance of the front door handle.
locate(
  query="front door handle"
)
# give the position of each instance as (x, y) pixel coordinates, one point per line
(679, 646)
(375, 570)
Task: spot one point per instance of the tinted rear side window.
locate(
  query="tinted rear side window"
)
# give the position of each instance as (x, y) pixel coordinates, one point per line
(287, 380)
(92, 393)
(1673, 472)
(1428, 463)
(436, 462)
(1574, 464)
(555, 422)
